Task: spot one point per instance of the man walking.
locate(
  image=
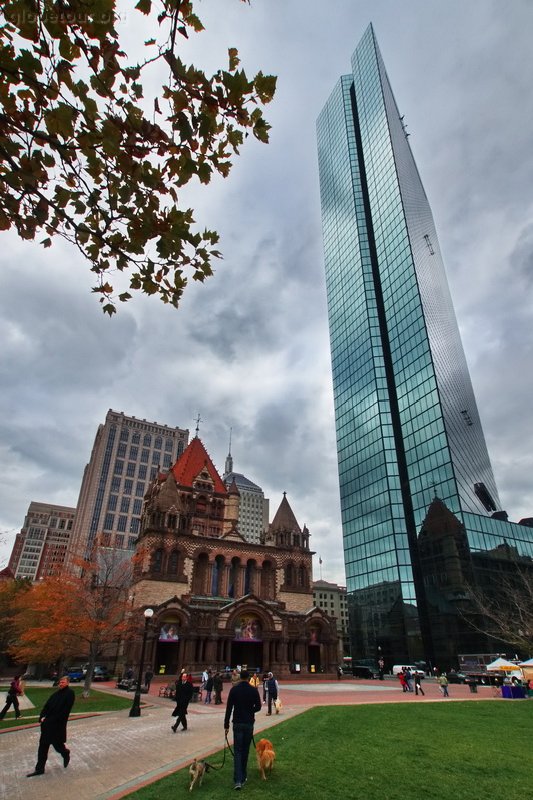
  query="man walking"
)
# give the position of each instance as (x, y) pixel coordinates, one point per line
(12, 698)
(184, 693)
(272, 693)
(53, 718)
(148, 676)
(243, 702)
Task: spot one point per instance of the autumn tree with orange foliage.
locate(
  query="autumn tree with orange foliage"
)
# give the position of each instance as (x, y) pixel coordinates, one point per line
(75, 615)
(10, 593)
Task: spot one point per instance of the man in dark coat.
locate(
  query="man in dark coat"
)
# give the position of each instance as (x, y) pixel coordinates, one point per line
(244, 702)
(184, 693)
(53, 719)
(218, 686)
(272, 692)
(12, 698)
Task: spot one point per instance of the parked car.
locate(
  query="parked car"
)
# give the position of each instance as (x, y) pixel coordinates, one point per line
(361, 671)
(100, 673)
(397, 668)
(456, 677)
(75, 674)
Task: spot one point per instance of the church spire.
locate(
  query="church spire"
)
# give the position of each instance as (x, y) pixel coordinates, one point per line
(228, 466)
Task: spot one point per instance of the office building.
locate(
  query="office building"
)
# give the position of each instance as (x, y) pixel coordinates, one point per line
(408, 429)
(40, 549)
(127, 454)
(331, 598)
(253, 507)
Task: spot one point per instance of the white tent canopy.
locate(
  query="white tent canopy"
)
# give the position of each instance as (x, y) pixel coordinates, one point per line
(501, 664)
(528, 663)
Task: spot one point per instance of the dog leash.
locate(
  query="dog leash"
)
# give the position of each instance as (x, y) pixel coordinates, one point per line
(219, 766)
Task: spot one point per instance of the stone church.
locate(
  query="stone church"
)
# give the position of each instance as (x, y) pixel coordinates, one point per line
(219, 600)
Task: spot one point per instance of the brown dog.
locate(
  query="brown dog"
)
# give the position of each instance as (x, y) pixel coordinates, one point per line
(197, 771)
(265, 756)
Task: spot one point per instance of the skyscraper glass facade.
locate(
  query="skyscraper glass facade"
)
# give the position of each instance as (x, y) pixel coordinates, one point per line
(407, 423)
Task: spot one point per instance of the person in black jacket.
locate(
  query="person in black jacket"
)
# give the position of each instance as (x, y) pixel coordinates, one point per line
(184, 693)
(218, 686)
(53, 718)
(244, 702)
(12, 698)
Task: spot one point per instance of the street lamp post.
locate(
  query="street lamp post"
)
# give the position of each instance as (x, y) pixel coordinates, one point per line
(135, 710)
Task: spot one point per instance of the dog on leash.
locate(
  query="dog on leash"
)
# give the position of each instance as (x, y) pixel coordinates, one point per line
(265, 756)
(197, 771)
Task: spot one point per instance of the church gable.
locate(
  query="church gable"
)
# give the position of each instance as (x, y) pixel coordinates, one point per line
(195, 467)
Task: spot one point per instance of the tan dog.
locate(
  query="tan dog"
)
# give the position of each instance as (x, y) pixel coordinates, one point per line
(197, 771)
(265, 756)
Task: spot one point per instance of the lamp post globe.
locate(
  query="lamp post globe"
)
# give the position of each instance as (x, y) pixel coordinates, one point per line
(135, 710)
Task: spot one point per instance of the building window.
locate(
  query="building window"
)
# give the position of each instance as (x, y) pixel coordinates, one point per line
(135, 525)
(112, 502)
(108, 522)
(137, 507)
(153, 473)
(119, 540)
(139, 490)
(142, 472)
(125, 505)
(115, 484)
(147, 441)
(119, 467)
(128, 486)
(158, 444)
(132, 541)
(144, 456)
(134, 453)
(122, 522)
(124, 435)
(173, 562)
(130, 469)
(168, 445)
(121, 451)
(136, 438)
(157, 561)
(167, 460)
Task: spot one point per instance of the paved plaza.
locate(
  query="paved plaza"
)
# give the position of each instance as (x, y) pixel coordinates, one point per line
(113, 754)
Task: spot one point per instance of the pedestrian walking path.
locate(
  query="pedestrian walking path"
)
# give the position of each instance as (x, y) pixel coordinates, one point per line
(114, 754)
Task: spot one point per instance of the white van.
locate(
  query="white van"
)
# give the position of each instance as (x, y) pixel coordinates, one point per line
(397, 668)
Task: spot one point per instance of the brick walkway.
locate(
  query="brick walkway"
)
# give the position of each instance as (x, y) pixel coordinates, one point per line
(113, 754)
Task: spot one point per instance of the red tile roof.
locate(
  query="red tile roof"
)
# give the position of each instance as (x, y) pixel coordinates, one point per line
(192, 462)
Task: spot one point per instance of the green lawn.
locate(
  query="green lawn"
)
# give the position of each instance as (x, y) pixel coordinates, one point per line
(433, 751)
(98, 701)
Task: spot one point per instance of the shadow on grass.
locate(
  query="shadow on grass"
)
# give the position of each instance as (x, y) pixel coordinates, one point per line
(431, 751)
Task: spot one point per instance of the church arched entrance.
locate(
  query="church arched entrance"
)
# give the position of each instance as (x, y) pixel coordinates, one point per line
(168, 645)
(247, 644)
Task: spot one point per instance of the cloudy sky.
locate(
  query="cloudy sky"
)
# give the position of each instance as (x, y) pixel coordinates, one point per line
(249, 350)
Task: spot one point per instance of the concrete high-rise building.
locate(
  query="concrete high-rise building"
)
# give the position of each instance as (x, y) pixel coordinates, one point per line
(254, 506)
(331, 598)
(41, 546)
(407, 424)
(127, 454)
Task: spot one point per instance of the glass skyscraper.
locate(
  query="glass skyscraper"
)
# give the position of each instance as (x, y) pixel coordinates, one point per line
(408, 429)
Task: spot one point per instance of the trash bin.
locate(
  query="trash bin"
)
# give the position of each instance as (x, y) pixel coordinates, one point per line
(472, 685)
